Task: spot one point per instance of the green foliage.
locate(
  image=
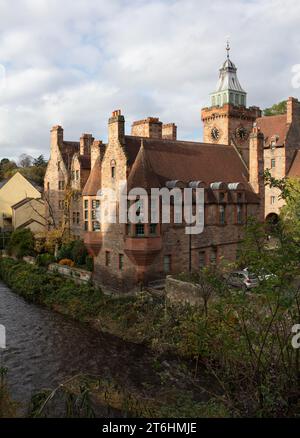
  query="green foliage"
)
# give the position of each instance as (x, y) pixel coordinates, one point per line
(8, 407)
(79, 253)
(89, 263)
(45, 259)
(40, 286)
(276, 109)
(74, 250)
(21, 243)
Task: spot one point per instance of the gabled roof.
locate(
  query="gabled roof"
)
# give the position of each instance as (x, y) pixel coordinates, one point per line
(158, 161)
(33, 183)
(271, 126)
(25, 201)
(93, 183)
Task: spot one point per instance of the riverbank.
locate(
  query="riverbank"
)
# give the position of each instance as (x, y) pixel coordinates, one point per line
(163, 384)
(223, 353)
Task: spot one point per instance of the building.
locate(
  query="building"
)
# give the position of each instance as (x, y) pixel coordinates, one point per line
(66, 175)
(17, 191)
(228, 120)
(127, 254)
(29, 213)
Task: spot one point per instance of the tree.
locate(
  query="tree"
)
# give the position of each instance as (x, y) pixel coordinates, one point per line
(39, 161)
(25, 160)
(276, 109)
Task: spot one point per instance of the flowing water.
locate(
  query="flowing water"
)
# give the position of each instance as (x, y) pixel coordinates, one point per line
(44, 348)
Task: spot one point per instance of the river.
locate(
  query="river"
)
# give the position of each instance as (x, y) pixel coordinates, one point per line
(44, 348)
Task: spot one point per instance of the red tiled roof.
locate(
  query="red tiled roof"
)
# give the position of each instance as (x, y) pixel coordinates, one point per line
(93, 183)
(159, 161)
(294, 171)
(273, 125)
(190, 161)
(85, 161)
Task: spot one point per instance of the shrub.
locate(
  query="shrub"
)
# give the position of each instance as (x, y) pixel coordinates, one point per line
(21, 243)
(75, 251)
(67, 262)
(79, 252)
(90, 263)
(65, 251)
(45, 259)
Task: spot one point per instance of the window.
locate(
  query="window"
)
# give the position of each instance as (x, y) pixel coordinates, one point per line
(167, 263)
(140, 230)
(201, 259)
(213, 101)
(107, 258)
(239, 214)
(78, 217)
(239, 197)
(86, 204)
(273, 145)
(86, 226)
(153, 228)
(94, 216)
(273, 163)
(48, 186)
(73, 175)
(96, 226)
(77, 175)
(243, 100)
(61, 185)
(213, 256)
(74, 217)
(273, 199)
(221, 197)
(58, 165)
(113, 172)
(121, 262)
(222, 214)
(86, 214)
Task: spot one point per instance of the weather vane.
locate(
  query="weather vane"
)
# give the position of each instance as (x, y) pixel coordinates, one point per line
(228, 49)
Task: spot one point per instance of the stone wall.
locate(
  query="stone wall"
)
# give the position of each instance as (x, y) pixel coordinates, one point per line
(78, 275)
(181, 292)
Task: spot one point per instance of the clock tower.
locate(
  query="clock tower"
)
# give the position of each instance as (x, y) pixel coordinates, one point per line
(228, 120)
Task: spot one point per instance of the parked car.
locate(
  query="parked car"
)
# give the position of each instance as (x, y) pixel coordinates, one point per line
(242, 279)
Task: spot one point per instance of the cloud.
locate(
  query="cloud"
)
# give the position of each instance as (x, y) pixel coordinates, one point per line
(73, 62)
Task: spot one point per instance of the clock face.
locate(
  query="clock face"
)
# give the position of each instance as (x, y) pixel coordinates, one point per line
(215, 133)
(241, 133)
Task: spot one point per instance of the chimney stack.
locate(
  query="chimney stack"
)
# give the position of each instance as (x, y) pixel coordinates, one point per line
(150, 128)
(57, 136)
(292, 110)
(116, 127)
(256, 167)
(86, 141)
(95, 152)
(169, 131)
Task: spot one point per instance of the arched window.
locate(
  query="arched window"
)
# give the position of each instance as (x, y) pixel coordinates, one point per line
(113, 168)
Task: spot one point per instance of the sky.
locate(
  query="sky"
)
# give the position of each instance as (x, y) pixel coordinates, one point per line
(72, 62)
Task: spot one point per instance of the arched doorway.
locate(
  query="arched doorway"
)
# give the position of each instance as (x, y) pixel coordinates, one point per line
(271, 220)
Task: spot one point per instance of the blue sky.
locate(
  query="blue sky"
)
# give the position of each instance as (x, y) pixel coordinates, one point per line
(74, 62)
